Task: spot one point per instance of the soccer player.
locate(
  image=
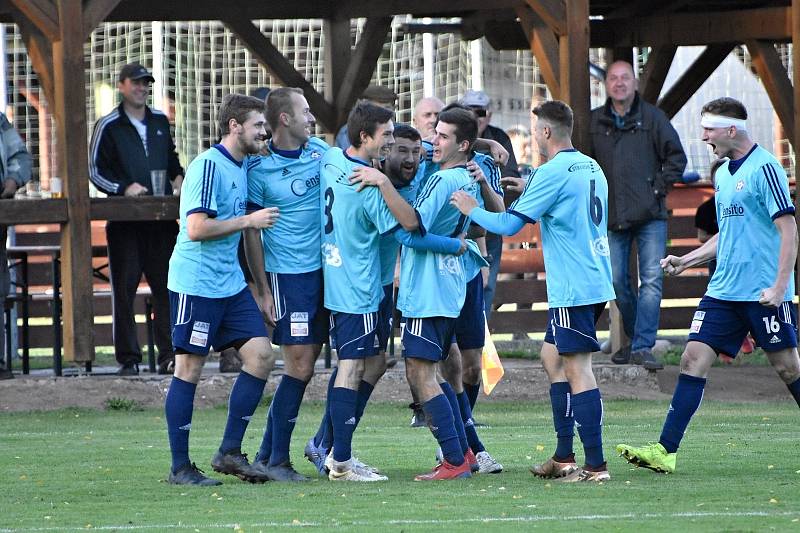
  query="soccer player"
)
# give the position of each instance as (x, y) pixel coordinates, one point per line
(752, 287)
(352, 221)
(292, 297)
(210, 303)
(433, 288)
(568, 195)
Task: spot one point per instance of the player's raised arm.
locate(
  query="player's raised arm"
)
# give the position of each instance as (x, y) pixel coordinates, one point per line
(402, 211)
(674, 265)
(501, 223)
(201, 227)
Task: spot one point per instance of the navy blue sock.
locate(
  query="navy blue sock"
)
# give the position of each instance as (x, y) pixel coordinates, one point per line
(364, 392)
(472, 393)
(442, 424)
(450, 394)
(563, 420)
(794, 388)
(266, 441)
(285, 406)
(588, 409)
(685, 401)
(343, 414)
(469, 425)
(245, 395)
(324, 434)
(178, 410)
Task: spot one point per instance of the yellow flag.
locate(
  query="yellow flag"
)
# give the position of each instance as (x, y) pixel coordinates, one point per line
(491, 367)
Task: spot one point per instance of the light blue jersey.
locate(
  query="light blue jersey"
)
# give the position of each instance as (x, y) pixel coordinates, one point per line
(215, 184)
(490, 170)
(389, 247)
(352, 223)
(747, 204)
(568, 195)
(290, 182)
(434, 284)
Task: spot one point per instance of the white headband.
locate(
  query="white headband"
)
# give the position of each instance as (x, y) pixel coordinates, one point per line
(710, 120)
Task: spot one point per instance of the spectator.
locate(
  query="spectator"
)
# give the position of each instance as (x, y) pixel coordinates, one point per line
(14, 173)
(127, 145)
(426, 114)
(376, 94)
(641, 156)
(480, 103)
(521, 141)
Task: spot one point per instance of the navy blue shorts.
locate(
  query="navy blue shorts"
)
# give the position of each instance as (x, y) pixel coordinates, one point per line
(723, 324)
(385, 317)
(427, 338)
(302, 317)
(354, 335)
(572, 329)
(470, 331)
(199, 323)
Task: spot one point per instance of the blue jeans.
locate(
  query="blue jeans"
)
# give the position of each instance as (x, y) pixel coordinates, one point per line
(640, 314)
(494, 247)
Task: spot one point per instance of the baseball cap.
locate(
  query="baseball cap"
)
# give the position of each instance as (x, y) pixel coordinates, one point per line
(379, 94)
(475, 99)
(135, 71)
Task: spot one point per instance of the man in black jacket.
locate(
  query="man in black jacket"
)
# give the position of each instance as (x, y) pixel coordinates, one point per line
(641, 156)
(127, 145)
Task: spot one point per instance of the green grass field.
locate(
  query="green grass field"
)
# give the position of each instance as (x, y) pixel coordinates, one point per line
(75, 470)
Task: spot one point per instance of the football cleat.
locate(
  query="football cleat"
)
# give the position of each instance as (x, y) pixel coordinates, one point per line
(445, 470)
(470, 458)
(316, 454)
(189, 474)
(582, 475)
(281, 472)
(348, 471)
(652, 456)
(235, 463)
(487, 464)
(553, 468)
(357, 463)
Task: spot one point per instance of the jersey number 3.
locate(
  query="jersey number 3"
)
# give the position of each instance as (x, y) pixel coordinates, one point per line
(595, 205)
(329, 210)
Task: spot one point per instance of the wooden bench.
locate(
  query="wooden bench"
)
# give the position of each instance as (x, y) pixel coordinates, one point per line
(36, 259)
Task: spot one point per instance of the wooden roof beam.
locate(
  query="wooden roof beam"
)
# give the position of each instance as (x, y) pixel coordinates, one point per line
(42, 13)
(269, 56)
(690, 29)
(40, 52)
(544, 47)
(362, 64)
(552, 12)
(776, 81)
(95, 12)
(644, 7)
(694, 77)
(655, 72)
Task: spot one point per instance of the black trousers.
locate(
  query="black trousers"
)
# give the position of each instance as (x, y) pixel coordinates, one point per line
(136, 248)
(4, 288)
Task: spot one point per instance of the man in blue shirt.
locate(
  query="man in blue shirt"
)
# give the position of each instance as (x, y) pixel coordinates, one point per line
(352, 222)
(433, 288)
(752, 287)
(568, 195)
(210, 303)
(288, 179)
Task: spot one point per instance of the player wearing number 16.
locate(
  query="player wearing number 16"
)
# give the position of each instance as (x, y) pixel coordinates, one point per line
(568, 196)
(752, 287)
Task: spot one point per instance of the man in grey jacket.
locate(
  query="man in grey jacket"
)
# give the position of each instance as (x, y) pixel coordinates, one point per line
(15, 171)
(641, 156)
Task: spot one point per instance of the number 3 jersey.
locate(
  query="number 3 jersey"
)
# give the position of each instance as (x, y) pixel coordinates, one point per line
(352, 222)
(748, 201)
(568, 196)
(434, 284)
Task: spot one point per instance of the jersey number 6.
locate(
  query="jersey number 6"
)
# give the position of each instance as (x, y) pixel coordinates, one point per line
(595, 205)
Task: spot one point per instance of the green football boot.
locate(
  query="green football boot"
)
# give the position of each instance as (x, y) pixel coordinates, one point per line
(652, 456)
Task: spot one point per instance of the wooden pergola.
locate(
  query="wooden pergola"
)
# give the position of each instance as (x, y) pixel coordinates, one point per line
(558, 32)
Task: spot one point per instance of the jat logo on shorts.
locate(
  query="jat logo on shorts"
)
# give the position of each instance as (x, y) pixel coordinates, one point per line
(299, 317)
(201, 327)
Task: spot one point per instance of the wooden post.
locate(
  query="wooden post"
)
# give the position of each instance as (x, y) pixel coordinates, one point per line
(337, 57)
(76, 247)
(574, 61)
(796, 77)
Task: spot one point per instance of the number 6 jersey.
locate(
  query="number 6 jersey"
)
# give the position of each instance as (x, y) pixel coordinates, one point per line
(568, 195)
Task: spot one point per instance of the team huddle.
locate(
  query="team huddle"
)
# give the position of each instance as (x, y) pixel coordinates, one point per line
(323, 229)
